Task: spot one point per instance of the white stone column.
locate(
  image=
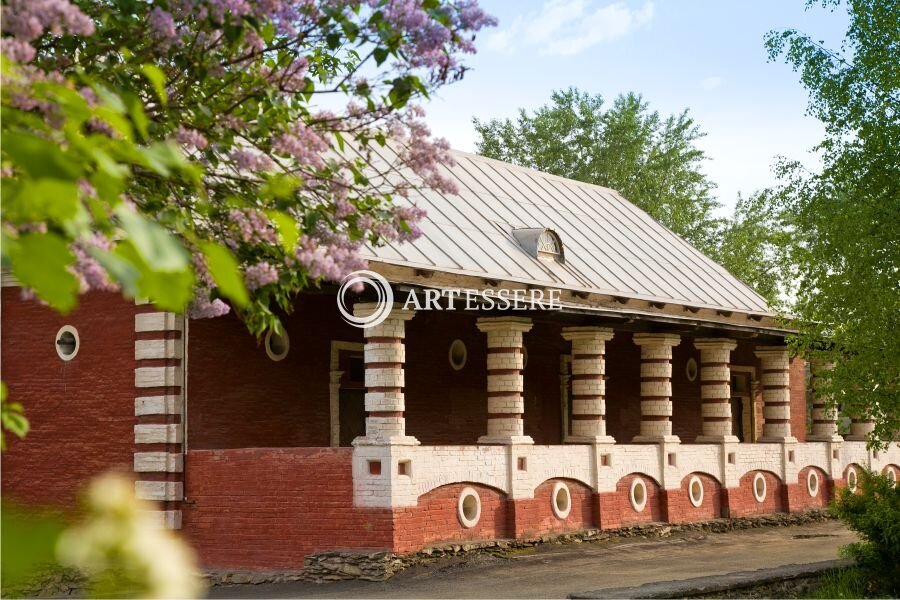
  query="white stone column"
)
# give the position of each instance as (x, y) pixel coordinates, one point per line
(159, 337)
(384, 355)
(715, 389)
(776, 394)
(860, 430)
(656, 387)
(824, 413)
(588, 403)
(505, 384)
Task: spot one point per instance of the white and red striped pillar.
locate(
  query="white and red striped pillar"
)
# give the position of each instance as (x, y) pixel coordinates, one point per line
(656, 387)
(505, 384)
(159, 342)
(824, 412)
(588, 402)
(715, 390)
(384, 355)
(776, 391)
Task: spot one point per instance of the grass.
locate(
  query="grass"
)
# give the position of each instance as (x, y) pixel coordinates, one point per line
(842, 583)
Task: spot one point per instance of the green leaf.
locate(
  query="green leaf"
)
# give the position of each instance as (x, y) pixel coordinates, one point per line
(225, 272)
(41, 262)
(288, 232)
(38, 157)
(43, 200)
(157, 79)
(156, 247)
(170, 289)
(34, 539)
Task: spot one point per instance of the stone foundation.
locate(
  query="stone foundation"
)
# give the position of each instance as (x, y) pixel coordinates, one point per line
(323, 567)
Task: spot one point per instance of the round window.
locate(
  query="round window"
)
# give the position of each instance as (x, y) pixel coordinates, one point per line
(562, 501)
(277, 344)
(458, 354)
(67, 342)
(695, 491)
(759, 487)
(468, 508)
(690, 369)
(852, 478)
(890, 473)
(638, 494)
(812, 483)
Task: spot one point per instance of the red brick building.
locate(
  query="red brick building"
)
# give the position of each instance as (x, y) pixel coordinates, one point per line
(660, 389)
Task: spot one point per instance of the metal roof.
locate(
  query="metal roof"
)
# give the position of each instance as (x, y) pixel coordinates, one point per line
(611, 246)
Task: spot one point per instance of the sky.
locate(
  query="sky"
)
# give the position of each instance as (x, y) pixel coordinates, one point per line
(704, 55)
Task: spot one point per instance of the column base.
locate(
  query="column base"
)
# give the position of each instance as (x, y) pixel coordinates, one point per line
(777, 440)
(717, 439)
(589, 439)
(656, 439)
(833, 438)
(505, 440)
(397, 440)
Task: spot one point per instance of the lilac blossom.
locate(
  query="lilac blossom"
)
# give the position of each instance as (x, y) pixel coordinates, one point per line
(204, 308)
(259, 275)
(190, 138)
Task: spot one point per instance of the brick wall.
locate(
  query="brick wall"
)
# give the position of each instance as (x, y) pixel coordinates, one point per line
(534, 516)
(436, 518)
(623, 387)
(267, 508)
(615, 508)
(678, 507)
(687, 420)
(81, 411)
(742, 503)
(239, 397)
(798, 496)
(797, 377)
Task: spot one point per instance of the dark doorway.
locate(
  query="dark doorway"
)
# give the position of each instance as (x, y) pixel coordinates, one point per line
(352, 397)
(737, 418)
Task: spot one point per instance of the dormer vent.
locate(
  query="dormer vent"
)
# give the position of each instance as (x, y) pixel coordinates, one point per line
(541, 243)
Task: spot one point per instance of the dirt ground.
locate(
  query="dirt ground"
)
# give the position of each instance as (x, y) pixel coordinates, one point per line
(554, 571)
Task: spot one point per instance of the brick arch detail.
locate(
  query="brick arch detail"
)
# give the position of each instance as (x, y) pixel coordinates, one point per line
(678, 505)
(742, 502)
(435, 520)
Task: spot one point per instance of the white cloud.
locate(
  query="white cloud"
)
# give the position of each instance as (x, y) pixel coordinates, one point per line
(708, 84)
(568, 27)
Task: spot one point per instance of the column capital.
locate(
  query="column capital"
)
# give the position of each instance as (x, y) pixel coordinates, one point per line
(603, 334)
(397, 312)
(771, 352)
(486, 324)
(714, 344)
(657, 339)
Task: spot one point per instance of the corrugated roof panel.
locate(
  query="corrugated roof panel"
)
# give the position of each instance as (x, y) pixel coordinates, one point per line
(611, 246)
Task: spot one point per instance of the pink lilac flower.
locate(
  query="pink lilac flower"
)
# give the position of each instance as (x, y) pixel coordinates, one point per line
(190, 138)
(203, 308)
(162, 28)
(253, 225)
(331, 257)
(26, 20)
(90, 274)
(246, 160)
(302, 144)
(259, 275)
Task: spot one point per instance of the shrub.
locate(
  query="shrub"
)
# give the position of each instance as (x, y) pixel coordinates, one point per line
(873, 511)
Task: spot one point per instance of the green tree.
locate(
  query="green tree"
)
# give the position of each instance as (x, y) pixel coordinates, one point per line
(652, 161)
(752, 244)
(846, 218)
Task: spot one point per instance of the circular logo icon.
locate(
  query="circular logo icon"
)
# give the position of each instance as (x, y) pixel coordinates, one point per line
(383, 304)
